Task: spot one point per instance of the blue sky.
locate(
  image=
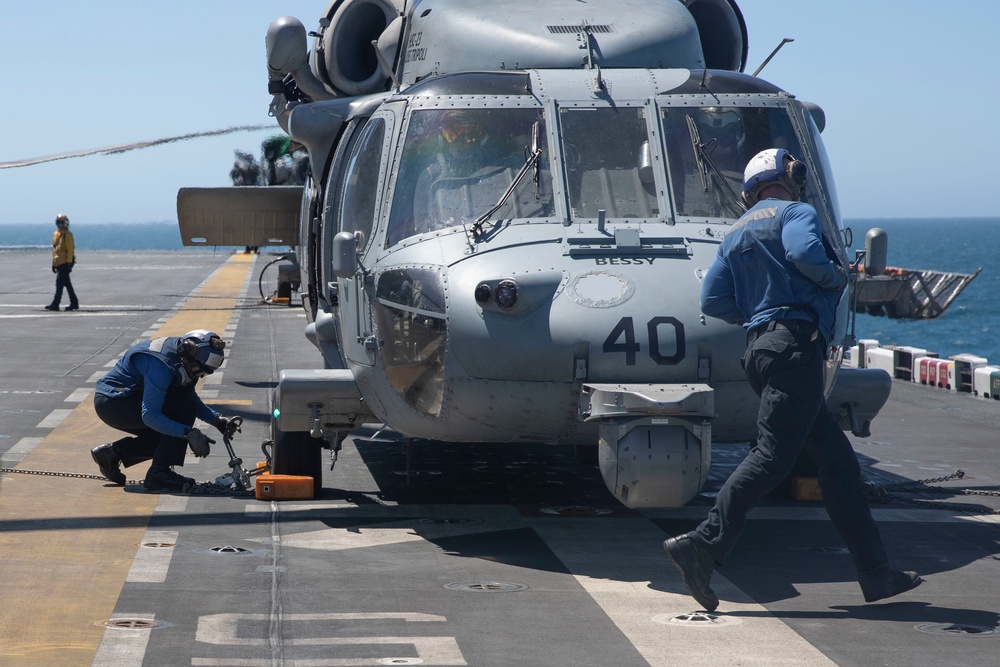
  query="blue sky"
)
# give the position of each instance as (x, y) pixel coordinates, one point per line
(908, 89)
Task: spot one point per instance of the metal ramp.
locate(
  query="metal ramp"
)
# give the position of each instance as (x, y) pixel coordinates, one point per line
(910, 294)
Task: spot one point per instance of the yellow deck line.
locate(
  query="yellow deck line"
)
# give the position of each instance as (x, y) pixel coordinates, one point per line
(67, 544)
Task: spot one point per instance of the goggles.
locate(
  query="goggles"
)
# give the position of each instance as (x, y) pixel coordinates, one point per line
(215, 343)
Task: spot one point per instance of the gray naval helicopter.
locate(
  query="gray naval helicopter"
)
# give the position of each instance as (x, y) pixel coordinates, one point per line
(510, 209)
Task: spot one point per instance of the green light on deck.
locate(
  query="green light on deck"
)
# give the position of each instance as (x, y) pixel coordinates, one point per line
(276, 413)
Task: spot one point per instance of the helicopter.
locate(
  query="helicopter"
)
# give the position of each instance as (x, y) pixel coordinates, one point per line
(508, 214)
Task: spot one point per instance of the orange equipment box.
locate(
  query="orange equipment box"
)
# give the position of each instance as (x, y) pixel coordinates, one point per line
(283, 487)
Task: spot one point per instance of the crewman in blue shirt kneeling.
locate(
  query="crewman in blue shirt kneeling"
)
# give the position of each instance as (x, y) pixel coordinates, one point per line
(150, 393)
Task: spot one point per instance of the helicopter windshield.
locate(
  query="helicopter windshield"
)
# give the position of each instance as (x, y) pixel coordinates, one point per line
(606, 151)
(708, 148)
(457, 163)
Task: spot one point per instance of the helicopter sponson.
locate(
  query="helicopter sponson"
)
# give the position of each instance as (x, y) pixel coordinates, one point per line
(503, 236)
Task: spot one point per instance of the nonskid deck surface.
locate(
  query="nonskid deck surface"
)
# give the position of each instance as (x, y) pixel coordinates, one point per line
(447, 554)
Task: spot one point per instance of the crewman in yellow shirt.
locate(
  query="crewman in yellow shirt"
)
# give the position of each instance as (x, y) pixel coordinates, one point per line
(63, 259)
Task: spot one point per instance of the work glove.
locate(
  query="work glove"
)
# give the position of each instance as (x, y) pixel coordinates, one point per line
(199, 443)
(224, 423)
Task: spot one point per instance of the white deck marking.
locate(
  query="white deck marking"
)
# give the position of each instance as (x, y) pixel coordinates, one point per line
(151, 564)
(615, 561)
(55, 418)
(171, 503)
(123, 647)
(23, 447)
(79, 396)
(224, 630)
(487, 519)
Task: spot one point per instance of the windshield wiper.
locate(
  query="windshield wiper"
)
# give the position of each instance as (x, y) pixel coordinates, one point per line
(532, 160)
(537, 177)
(703, 157)
(706, 181)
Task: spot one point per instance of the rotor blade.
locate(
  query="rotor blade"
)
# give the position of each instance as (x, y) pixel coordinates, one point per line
(112, 150)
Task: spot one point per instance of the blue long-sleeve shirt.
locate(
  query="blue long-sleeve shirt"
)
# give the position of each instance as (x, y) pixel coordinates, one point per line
(157, 379)
(154, 368)
(773, 266)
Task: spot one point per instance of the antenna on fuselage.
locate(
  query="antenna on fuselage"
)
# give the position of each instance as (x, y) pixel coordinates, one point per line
(768, 59)
(586, 34)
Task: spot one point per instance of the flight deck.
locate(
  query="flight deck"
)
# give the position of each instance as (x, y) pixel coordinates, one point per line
(424, 553)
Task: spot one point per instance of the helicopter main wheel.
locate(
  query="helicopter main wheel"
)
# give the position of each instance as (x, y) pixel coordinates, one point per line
(297, 453)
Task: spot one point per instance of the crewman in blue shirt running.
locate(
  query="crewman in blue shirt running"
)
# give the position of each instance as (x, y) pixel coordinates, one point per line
(774, 275)
(150, 393)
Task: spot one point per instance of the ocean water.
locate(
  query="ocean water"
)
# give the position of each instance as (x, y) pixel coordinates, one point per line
(96, 236)
(971, 324)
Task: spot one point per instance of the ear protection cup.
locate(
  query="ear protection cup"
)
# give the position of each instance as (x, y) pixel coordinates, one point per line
(187, 348)
(795, 171)
(795, 178)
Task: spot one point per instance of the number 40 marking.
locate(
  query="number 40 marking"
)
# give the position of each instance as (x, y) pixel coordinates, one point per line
(625, 330)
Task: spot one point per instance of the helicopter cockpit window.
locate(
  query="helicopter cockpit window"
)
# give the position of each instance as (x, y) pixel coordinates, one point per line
(456, 164)
(708, 149)
(606, 151)
(410, 318)
(357, 208)
(823, 166)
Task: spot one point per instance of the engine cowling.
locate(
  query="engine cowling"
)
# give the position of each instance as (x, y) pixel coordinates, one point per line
(451, 35)
(723, 33)
(344, 58)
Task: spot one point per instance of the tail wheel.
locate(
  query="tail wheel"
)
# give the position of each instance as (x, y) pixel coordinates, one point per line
(297, 453)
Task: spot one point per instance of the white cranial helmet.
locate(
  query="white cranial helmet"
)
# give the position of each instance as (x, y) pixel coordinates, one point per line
(774, 165)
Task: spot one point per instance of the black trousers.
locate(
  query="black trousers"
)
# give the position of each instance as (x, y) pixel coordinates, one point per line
(125, 414)
(785, 368)
(63, 281)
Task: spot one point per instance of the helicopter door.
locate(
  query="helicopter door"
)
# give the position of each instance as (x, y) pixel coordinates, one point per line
(361, 203)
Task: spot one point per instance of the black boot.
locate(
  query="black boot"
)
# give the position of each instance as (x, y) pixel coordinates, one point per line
(52, 306)
(886, 582)
(695, 567)
(108, 461)
(162, 478)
